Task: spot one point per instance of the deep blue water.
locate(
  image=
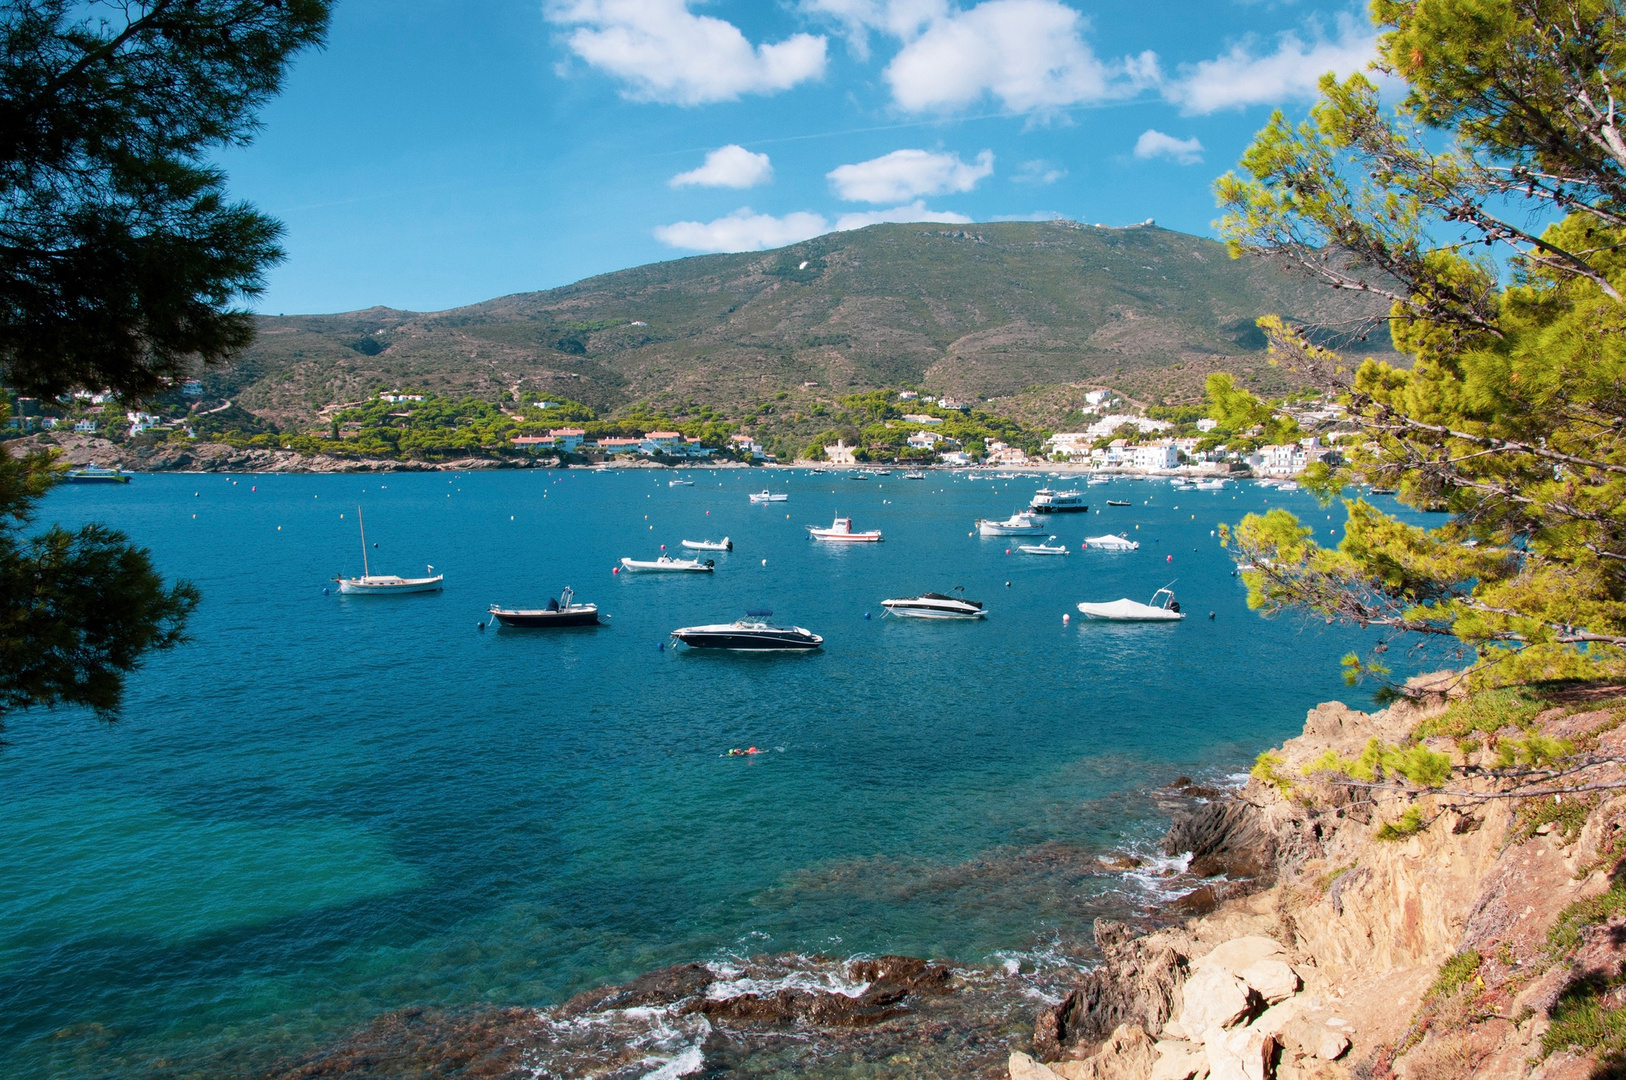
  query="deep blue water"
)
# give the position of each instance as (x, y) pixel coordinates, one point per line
(325, 807)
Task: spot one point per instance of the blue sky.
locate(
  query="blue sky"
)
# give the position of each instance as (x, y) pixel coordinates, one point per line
(442, 152)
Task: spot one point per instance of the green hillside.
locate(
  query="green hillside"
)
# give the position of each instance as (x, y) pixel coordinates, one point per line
(1022, 314)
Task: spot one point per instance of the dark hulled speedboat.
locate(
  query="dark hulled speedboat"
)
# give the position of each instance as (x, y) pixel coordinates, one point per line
(560, 612)
(750, 634)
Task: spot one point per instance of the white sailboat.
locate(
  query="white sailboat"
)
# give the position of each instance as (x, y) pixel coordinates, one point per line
(370, 583)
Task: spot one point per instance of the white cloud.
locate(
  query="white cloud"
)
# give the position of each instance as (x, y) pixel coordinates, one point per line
(915, 211)
(1037, 215)
(743, 230)
(1029, 54)
(1240, 78)
(899, 18)
(1153, 143)
(729, 166)
(666, 53)
(1038, 172)
(903, 174)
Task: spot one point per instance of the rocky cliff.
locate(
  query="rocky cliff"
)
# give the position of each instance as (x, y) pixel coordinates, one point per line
(1381, 928)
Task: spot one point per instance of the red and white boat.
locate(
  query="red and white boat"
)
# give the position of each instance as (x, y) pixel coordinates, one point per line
(841, 529)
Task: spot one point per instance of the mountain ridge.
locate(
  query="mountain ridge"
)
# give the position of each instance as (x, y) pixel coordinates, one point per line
(1010, 312)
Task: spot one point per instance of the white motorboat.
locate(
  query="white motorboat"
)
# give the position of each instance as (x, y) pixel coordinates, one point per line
(1042, 549)
(1021, 523)
(1046, 501)
(841, 529)
(1127, 610)
(914, 476)
(750, 634)
(680, 483)
(1215, 484)
(1110, 542)
(725, 544)
(371, 584)
(768, 497)
(934, 606)
(667, 565)
(1097, 481)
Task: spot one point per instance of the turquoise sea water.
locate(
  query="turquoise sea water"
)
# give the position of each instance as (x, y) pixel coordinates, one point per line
(327, 807)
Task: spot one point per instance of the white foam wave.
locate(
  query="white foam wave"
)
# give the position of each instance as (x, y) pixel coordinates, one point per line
(691, 1060)
(732, 982)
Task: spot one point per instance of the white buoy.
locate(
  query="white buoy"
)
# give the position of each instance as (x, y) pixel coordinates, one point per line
(764, 562)
(1066, 618)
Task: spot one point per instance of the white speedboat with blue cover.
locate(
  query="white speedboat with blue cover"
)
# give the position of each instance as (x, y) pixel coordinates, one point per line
(751, 634)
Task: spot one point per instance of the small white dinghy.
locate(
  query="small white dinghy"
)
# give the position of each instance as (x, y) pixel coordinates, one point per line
(1111, 543)
(725, 544)
(841, 529)
(1042, 549)
(667, 565)
(371, 584)
(680, 483)
(768, 497)
(1127, 610)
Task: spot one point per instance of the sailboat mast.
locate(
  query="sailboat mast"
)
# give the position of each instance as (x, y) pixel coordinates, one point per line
(365, 572)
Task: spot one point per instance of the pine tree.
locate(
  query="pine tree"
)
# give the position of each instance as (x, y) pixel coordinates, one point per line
(1512, 415)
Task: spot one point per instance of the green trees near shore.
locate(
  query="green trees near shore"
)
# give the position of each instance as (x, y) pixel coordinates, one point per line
(1512, 417)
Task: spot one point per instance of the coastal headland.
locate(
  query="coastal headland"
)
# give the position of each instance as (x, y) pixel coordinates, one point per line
(1325, 929)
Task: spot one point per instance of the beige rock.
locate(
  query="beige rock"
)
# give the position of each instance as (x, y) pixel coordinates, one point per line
(1239, 953)
(1213, 999)
(1276, 1018)
(1128, 1054)
(1023, 1067)
(1180, 1060)
(1275, 981)
(1332, 1046)
(1239, 1055)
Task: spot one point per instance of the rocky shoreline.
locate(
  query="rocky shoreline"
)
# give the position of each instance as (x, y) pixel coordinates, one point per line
(1303, 947)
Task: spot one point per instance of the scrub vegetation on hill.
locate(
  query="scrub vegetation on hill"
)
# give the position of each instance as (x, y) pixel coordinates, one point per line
(1016, 312)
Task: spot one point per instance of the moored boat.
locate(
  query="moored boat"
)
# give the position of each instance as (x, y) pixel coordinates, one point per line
(1021, 523)
(93, 474)
(1042, 549)
(725, 544)
(1127, 610)
(1110, 542)
(680, 483)
(1118, 502)
(767, 497)
(371, 584)
(561, 612)
(667, 565)
(1046, 501)
(914, 476)
(841, 529)
(750, 634)
(934, 606)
